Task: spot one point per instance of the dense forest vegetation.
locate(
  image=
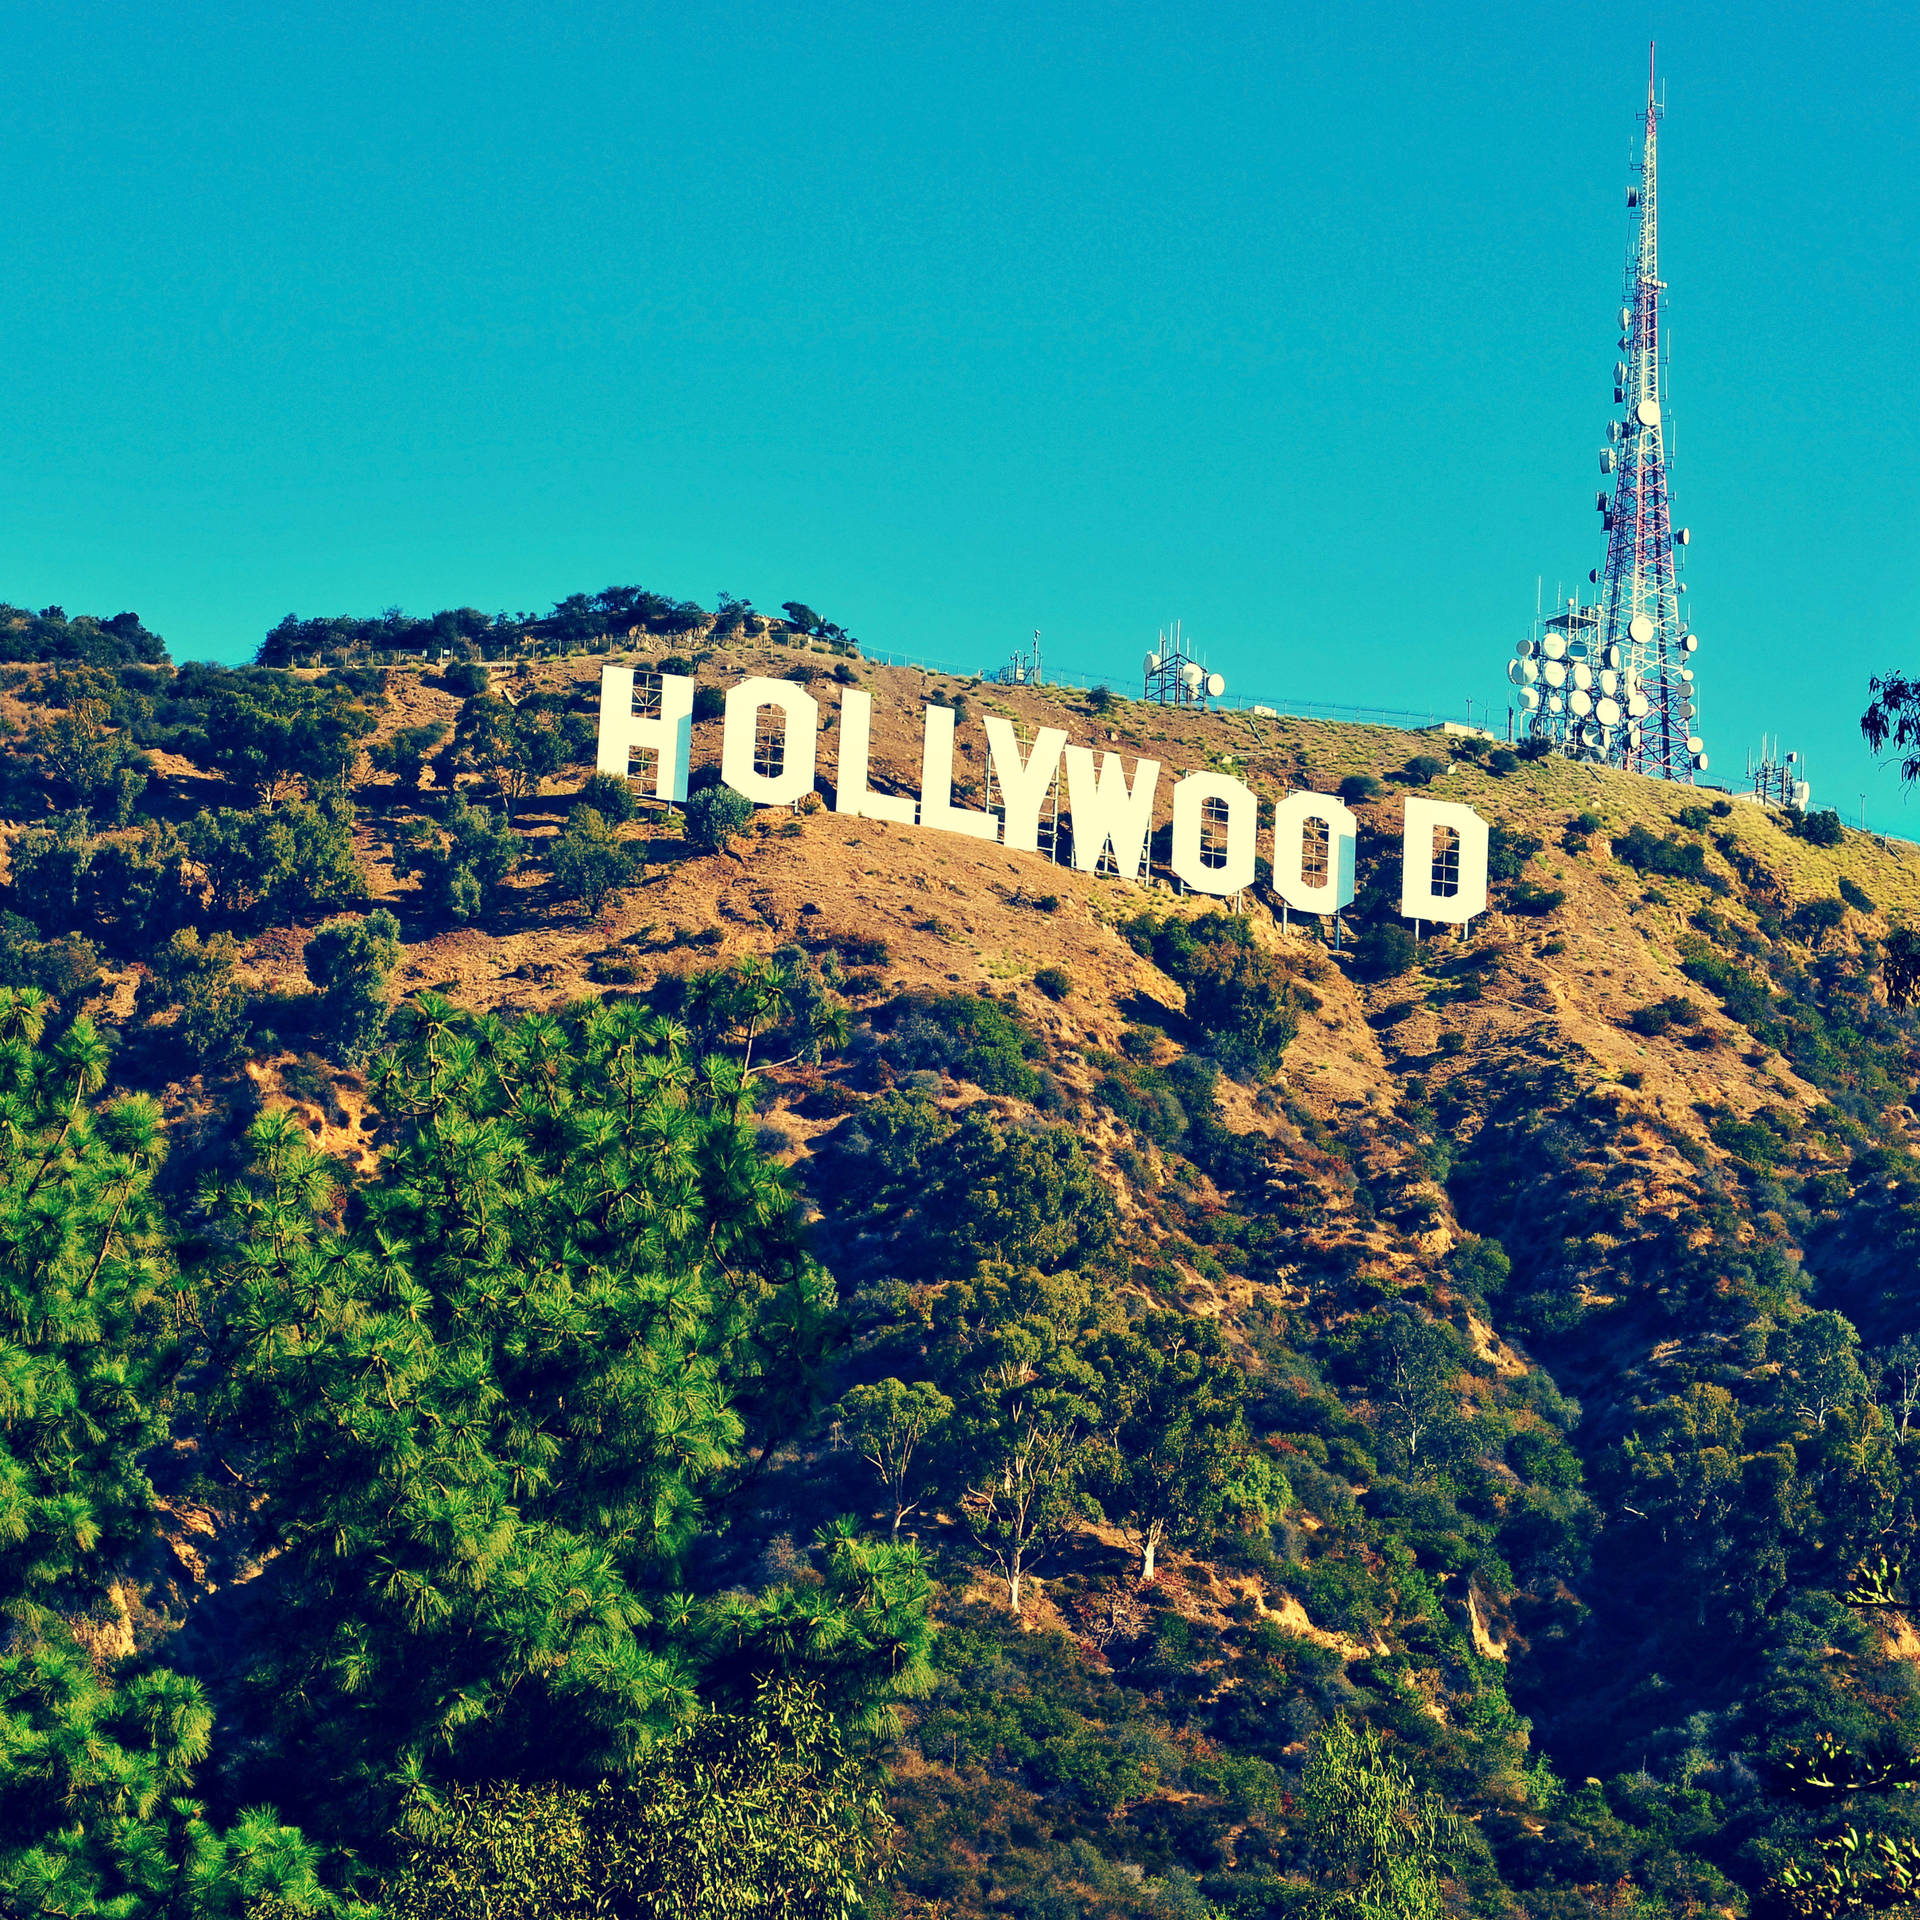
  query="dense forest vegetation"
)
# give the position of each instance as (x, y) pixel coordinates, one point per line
(787, 1434)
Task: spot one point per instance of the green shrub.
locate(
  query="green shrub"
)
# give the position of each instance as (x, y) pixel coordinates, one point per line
(709, 703)
(1502, 761)
(714, 816)
(609, 796)
(1055, 982)
(968, 1035)
(1234, 988)
(1358, 786)
(1508, 852)
(1385, 951)
(1856, 897)
(590, 862)
(350, 959)
(1423, 770)
(464, 677)
(1821, 829)
(1648, 852)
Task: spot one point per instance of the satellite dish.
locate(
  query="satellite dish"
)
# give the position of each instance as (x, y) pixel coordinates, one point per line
(1648, 413)
(1555, 704)
(1517, 672)
(1609, 681)
(1554, 647)
(1580, 703)
(1606, 711)
(1216, 684)
(1191, 675)
(1686, 673)
(1691, 642)
(1642, 629)
(1583, 676)
(1151, 664)
(1695, 744)
(1636, 706)
(1685, 536)
(1555, 673)
(1524, 650)
(1529, 671)
(1700, 762)
(1612, 656)
(1529, 699)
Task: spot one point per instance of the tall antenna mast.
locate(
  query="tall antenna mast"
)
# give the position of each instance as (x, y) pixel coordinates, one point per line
(1613, 681)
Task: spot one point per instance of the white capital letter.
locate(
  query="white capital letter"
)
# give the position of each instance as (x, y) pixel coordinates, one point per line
(1190, 797)
(670, 735)
(1108, 812)
(1443, 862)
(1023, 784)
(799, 734)
(936, 783)
(851, 794)
(1290, 819)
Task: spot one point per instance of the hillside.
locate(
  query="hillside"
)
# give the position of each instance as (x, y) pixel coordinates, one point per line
(1561, 1271)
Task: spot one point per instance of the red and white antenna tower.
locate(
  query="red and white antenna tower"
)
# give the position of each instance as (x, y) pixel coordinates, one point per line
(1613, 681)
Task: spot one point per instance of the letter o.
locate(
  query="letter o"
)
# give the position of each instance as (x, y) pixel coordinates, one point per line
(799, 738)
(1190, 797)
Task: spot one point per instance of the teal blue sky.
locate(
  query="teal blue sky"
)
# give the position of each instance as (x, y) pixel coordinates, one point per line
(1292, 323)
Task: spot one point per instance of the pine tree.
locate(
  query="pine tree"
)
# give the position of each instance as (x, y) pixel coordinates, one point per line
(485, 1414)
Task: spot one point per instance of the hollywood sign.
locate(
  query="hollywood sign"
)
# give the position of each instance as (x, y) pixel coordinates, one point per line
(1216, 819)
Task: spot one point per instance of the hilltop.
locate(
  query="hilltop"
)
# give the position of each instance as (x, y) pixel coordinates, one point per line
(1561, 1269)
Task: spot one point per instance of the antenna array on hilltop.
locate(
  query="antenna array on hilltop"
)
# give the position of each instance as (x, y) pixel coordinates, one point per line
(1612, 681)
(1174, 678)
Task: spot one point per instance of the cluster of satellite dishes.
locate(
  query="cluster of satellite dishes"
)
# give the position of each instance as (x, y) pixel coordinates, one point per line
(1598, 697)
(1175, 679)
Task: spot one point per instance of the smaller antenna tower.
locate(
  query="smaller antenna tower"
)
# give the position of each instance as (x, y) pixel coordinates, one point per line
(1174, 678)
(1023, 667)
(1778, 780)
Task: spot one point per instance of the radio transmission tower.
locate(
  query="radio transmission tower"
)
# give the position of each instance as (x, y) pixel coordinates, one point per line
(1613, 681)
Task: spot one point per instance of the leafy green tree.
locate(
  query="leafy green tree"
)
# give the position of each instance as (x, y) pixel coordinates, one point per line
(1413, 1372)
(283, 861)
(264, 730)
(89, 759)
(199, 978)
(519, 746)
(1379, 1845)
(308, 861)
(463, 859)
(759, 1813)
(714, 816)
(1819, 1367)
(1028, 1459)
(895, 1428)
(405, 754)
(98, 1742)
(591, 862)
(351, 959)
(51, 885)
(486, 1406)
(1021, 1196)
(1177, 1460)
